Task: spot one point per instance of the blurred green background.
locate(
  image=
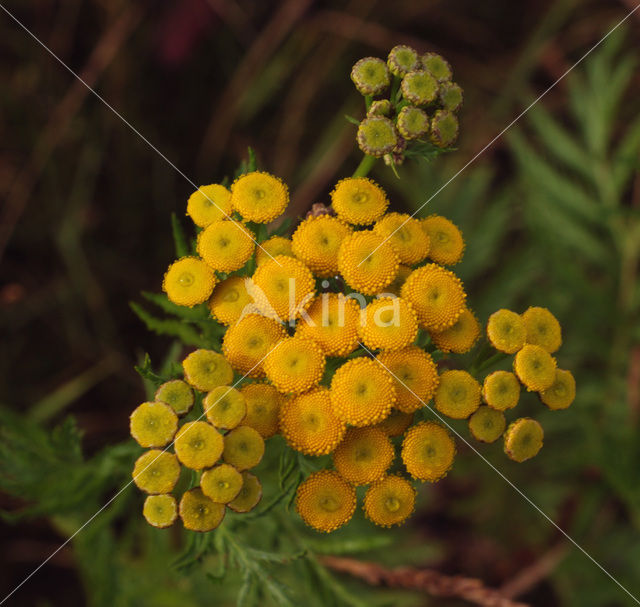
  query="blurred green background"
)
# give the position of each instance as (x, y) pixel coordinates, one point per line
(551, 215)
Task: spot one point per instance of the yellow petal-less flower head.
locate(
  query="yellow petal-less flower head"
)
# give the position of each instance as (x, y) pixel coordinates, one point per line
(362, 392)
(224, 407)
(414, 374)
(367, 262)
(487, 424)
(388, 323)
(284, 287)
(229, 299)
(543, 329)
(523, 439)
(562, 392)
(451, 96)
(198, 512)
(501, 390)
(246, 343)
(457, 395)
(209, 203)
(226, 245)
(206, 370)
(243, 448)
(371, 76)
(460, 337)
(419, 87)
(153, 424)
(156, 471)
(390, 501)
(309, 424)
(396, 285)
(177, 394)
(405, 235)
(160, 510)
(359, 201)
(364, 455)
(259, 197)
(188, 281)
(506, 331)
(412, 122)
(263, 408)
(437, 66)
(396, 423)
(444, 128)
(445, 239)
(221, 484)
(316, 242)
(402, 59)
(198, 445)
(428, 451)
(377, 136)
(437, 296)
(332, 321)
(535, 368)
(270, 248)
(249, 496)
(325, 501)
(295, 365)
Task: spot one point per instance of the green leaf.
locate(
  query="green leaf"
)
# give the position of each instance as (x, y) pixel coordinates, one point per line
(175, 328)
(179, 237)
(146, 372)
(199, 312)
(349, 545)
(352, 120)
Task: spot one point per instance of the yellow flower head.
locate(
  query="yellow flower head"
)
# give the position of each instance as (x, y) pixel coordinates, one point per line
(209, 203)
(332, 322)
(198, 512)
(535, 368)
(198, 445)
(188, 281)
(206, 370)
(402, 59)
(249, 496)
(405, 235)
(561, 393)
(414, 374)
(359, 200)
(309, 424)
(458, 394)
(506, 331)
(444, 128)
(153, 424)
(295, 365)
(377, 136)
(325, 501)
(243, 448)
(419, 87)
(396, 423)
(501, 390)
(371, 76)
(156, 471)
(270, 248)
(229, 299)
(412, 122)
(437, 296)
(263, 407)
(259, 197)
(226, 245)
(364, 455)
(284, 287)
(428, 451)
(487, 424)
(543, 329)
(177, 394)
(160, 510)
(247, 342)
(316, 242)
(362, 392)
(523, 439)
(437, 66)
(460, 337)
(224, 407)
(389, 501)
(446, 242)
(396, 285)
(388, 323)
(221, 484)
(367, 262)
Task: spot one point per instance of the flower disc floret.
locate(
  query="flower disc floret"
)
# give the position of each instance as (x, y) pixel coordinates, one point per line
(388, 323)
(390, 501)
(506, 331)
(487, 424)
(295, 365)
(405, 235)
(160, 511)
(198, 512)
(535, 368)
(501, 390)
(377, 136)
(445, 240)
(263, 408)
(198, 445)
(437, 66)
(226, 245)
(395, 286)
(249, 496)
(153, 424)
(371, 76)
(444, 128)
(221, 484)
(419, 87)
(561, 393)
(224, 407)
(229, 299)
(412, 122)
(359, 201)
(523, 439)
(542, 329)
(188, 282)
(177, 394)
(364, 455)
(457, 395)
(243, 448)
(460, 337)
(209, 203)
(259, 197)
(428, 451)
(206, 370)
(396, 423)
(402, 59)
(272, 247)
(156, 471)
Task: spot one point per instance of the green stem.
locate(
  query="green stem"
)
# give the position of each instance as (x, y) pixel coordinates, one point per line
(366, 164)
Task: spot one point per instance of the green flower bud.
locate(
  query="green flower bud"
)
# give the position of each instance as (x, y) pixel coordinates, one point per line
(523, 439)
(177, 394)
(371, 76)
(444, 129)
(377, 136)
(438, 66)
(419, 87)
(380, 108)
(249, 496)
(160, 510)
(487, 424)
(451, 96)
(402, 60)
(413, 123)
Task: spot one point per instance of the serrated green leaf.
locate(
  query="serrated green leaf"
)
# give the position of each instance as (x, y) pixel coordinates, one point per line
(349, 545)
(199, 312)
(180, 240)
(175, 328)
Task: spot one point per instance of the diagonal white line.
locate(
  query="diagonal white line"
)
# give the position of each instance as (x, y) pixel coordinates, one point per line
(128, 484)
(134, 129)
(505, 129)
(510, 483)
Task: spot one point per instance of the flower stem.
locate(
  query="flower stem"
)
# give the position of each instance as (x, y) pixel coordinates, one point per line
(366, 164)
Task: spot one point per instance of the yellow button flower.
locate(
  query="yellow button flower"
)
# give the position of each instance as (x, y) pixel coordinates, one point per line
(160, 510)
(390, 501)
(249, 496)
(395, 286)
(460, 337)
(226, 245)
(445, 239)
(396, 423)
(457, 395)
(153, 424)
(359, 201)
(209, 203)
(259, 197)
(405, 235)
(263, 408)
(388, 323)
(364, 455)
(243, 448)
(535, 368)
(188, 281)
(177, 394)
(561, 393)
(428, 451)
(198, 445)
(229, 299)
(542, 329)
(206, 370)
(295, 365)
(156, 471)
(221, 484)
(506, 331)
(501, 390)
(224, 407)
(198, 512)
(523, 439)
(487, 424)
(272, 247)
